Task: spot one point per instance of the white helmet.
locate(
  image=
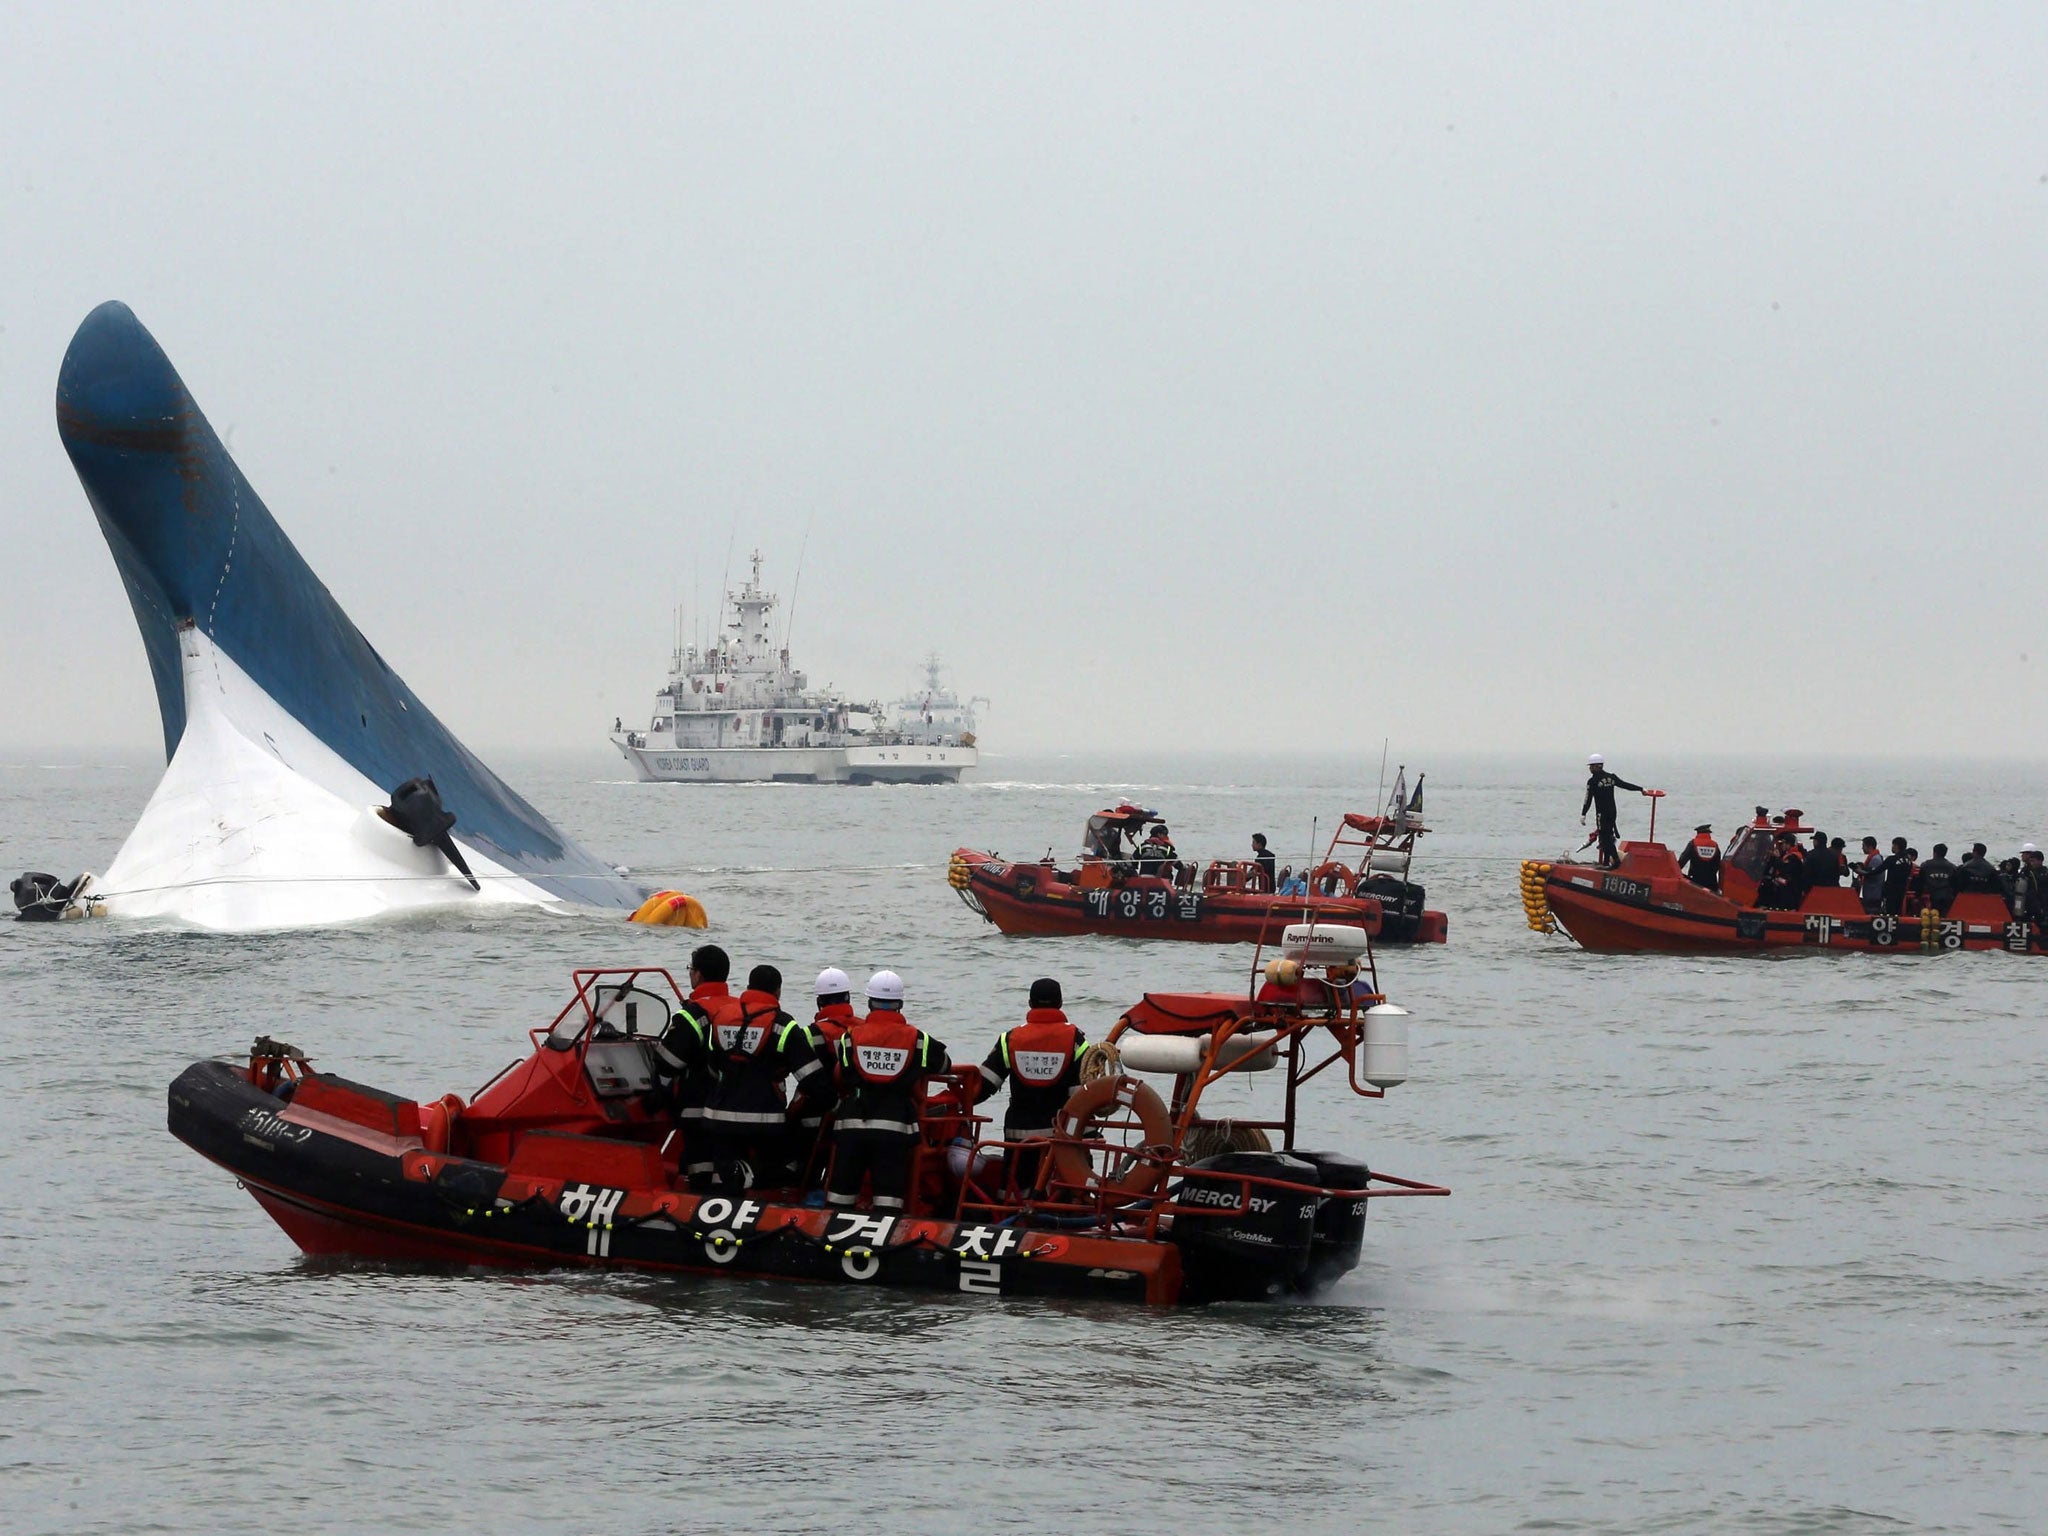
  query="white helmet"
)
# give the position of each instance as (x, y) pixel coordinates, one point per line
(1595, 760)
(2028, 848)
(885, 986)
(832, 979)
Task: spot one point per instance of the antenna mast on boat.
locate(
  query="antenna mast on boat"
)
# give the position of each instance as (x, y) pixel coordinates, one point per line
(724, 584)
(789, 624)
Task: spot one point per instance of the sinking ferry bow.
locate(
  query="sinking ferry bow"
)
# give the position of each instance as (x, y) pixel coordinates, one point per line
(286, 732)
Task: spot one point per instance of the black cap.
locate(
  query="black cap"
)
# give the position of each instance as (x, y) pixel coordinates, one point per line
(711, 962)
(765, 978)
(1705, 826)
(1045, 993)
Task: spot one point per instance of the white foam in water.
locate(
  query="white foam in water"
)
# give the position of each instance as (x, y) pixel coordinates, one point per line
(259, 824)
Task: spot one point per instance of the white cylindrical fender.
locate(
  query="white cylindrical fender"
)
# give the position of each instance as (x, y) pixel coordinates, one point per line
(1389, 861)
(1323, 943)
(1172, 1055)
(1384, 1050)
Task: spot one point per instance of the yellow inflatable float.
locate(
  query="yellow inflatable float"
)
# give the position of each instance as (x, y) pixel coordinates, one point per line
(671, 909)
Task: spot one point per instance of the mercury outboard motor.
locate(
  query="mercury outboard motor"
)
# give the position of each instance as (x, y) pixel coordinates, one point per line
(416, 810)
(1400, 905)
(1258, 1241)
(1340, 1221)
(41, 898)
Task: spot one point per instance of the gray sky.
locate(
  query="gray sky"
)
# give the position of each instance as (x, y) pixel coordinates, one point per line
(1648, 379)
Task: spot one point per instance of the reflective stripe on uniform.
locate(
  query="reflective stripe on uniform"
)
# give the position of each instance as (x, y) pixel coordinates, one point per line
(899, 1127)
(745, 1117)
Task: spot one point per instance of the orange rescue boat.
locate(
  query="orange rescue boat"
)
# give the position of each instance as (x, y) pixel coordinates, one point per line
(1647, 905)
(1362, 881)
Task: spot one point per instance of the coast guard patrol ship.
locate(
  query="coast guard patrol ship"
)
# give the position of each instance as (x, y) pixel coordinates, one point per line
(734, 712)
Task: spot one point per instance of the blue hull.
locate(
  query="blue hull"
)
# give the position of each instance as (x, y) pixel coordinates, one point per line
(195, 545)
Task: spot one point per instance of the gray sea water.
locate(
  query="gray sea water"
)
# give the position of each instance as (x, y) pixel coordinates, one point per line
(1753, 1244)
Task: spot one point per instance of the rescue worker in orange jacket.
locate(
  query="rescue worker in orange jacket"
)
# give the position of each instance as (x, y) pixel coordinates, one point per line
(882, 1066)
(1157, 855)
(1041, 1061)
(747, 1121)
(1700, 860)
(834, 1017)
(683, 1057)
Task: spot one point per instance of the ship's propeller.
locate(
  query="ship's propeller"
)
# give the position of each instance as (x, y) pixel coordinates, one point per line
(416, 810)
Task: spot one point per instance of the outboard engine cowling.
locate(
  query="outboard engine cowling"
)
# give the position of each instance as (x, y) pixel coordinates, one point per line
(1340, 1221)
(1244, 1242)
(1401, 905)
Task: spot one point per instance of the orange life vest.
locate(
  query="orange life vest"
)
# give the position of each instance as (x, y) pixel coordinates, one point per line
(882, 1047)
(1704, 847)
(715, 1000)
(1039, 1050)
(743, 1033)
(834, 1020)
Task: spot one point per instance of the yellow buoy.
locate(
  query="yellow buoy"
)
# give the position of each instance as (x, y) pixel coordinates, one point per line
(1535, 898)
(671, 909)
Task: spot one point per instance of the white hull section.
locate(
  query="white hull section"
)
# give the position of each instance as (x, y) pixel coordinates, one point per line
(258, 824)
(799, 765)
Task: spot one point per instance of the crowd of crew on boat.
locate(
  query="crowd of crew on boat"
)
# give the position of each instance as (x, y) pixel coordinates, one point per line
(763, 1099)
(1897, 881)
(1154, 855)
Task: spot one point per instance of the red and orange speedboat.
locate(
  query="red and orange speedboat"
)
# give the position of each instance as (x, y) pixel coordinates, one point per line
(1362, 881)
(1646, 903)
(570, 1157)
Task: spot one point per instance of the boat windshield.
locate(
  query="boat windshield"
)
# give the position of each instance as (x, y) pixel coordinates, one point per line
(618, 1011)
(1749, 850)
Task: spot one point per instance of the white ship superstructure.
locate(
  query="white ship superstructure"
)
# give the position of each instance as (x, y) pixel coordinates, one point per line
(934, 714)
(735, 712)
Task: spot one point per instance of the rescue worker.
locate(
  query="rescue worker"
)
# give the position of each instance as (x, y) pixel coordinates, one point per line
(1041, 1060)
(2030, 893)
(753, 1049)
(1700, 860)
(1978, 873)
(882, 1066)
(683, 1057)
(1783, 885)
(834, 1016)
(1823, 864)
(1600, 788)
(1870, 877)
(1156, 855)
(1935, 883)
(1896, 873)
(1264, 879)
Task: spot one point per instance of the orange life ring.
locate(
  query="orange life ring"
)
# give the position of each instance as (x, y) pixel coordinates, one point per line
(1076, 1123)
(1331, 879)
